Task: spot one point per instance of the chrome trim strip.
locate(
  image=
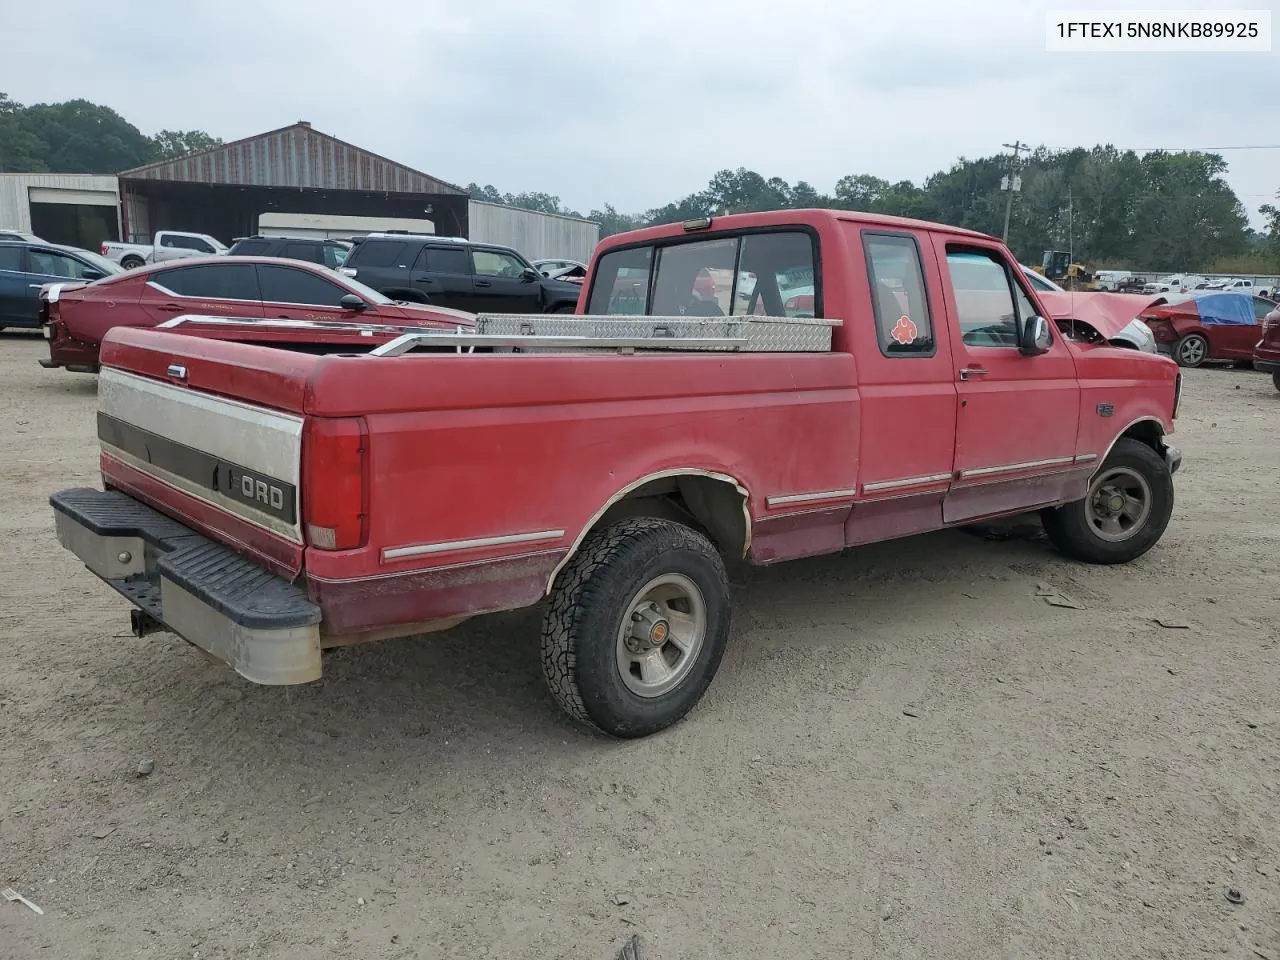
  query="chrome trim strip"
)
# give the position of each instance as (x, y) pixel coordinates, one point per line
(1014, 467)
(809, 497)
(426, 549)
(188, 296)
(1086, 457)
(908, 482)
(442, 568)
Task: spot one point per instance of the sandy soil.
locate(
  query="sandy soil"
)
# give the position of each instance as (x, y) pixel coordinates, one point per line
(906, 753)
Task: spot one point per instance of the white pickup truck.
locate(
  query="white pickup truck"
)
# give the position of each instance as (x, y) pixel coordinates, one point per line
(166, 245)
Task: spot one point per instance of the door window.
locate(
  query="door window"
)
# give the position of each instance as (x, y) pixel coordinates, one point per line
(334, 255)
(11, 259)
(51, 264)
(214, 281)
(984, 299)
(904, 327)
(494, 263)
(445, 260)
(1261, 307)
(302, 251)
(290, 285)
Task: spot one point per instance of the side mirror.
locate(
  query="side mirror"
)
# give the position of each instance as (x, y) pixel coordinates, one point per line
(528, 275)
(1035, 337)
(91, 274)
(351, 302)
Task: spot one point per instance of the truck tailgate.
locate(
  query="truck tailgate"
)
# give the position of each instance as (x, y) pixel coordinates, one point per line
(229, 468)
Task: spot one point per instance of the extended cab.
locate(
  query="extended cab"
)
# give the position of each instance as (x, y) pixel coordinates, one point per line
(266, 504)
(166, 245)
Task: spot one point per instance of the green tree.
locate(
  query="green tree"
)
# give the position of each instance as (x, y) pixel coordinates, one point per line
(84, 137)
(171, 144)
(21, 151)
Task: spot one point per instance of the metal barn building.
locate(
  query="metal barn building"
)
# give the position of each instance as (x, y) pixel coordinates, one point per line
(292, 176)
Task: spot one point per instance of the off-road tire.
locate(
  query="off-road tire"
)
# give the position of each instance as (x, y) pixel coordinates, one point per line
(1068, 526)
(132, 263)
(583, 618)
(1275, 379)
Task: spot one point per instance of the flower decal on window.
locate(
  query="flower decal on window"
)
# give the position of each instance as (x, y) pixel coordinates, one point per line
(904, 331)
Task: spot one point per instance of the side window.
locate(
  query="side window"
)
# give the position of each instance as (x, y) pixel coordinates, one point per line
(204, 246)
(984, 301)
(334, 255)
(290, 285)
(451, 261)
(494, 263)
(251, 248)
(11, 259)
(302, 251)
(216, 281)
(169, 240)
(904, 326)
(620, 283)
(377, 253)
(1261, 307)
(52, 264)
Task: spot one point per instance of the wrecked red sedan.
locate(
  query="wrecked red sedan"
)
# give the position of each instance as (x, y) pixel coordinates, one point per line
(1208, 326)
(265, 300)
(1266, 354)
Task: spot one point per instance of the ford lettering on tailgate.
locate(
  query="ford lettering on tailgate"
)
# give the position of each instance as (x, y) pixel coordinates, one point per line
(273, 497)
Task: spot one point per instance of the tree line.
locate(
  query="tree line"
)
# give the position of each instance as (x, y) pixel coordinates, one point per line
(82, 137)
(1109, 207)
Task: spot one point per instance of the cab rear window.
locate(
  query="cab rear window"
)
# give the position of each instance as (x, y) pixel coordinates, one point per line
(756, 274)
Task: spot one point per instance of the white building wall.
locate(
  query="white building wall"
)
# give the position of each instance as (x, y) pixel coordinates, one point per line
(78, 188)
(537, 235)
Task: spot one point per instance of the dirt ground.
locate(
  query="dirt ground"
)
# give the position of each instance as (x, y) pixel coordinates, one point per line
(906, 753)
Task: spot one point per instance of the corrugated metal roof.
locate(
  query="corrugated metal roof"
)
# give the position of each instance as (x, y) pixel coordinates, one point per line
(294, 156)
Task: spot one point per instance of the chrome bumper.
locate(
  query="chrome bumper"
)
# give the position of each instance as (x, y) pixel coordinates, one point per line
(261, 625)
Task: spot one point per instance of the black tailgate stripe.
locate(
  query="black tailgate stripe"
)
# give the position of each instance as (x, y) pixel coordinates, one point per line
(253, 488)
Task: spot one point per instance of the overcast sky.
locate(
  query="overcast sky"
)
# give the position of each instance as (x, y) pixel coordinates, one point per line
(639, 102)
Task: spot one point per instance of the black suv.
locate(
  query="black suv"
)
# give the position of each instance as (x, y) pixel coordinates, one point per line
(328, 253)
(453, 272)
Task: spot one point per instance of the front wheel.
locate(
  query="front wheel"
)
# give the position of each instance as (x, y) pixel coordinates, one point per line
(636, 626)
(132, 263)
(1191, 351)
(1125, 512)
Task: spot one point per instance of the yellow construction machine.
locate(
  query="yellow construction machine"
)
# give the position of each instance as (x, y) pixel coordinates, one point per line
(1057, 266)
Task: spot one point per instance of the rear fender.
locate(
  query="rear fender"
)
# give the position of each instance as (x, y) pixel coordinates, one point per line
(695, 499)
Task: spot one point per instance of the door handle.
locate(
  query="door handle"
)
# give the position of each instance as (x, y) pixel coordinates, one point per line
(967, 372)
(169, 306)
(35, 286)
(483, 283)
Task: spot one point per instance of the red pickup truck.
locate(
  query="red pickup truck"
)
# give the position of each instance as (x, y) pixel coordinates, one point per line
(265, 504)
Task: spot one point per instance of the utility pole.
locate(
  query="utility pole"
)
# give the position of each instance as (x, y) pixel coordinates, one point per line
(1012, 183)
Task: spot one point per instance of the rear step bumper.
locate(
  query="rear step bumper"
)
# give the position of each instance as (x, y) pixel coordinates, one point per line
(261, 625)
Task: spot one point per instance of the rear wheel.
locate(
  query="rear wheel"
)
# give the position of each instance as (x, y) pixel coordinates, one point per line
(636, 627)
(1125, 512)
(131, 263)
(1191, 351)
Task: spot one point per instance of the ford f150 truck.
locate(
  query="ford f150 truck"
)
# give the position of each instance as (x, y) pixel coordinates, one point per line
(266, 504)
(165, 245)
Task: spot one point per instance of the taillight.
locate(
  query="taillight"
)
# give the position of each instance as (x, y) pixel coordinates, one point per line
(104, 248)
(335, 487)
